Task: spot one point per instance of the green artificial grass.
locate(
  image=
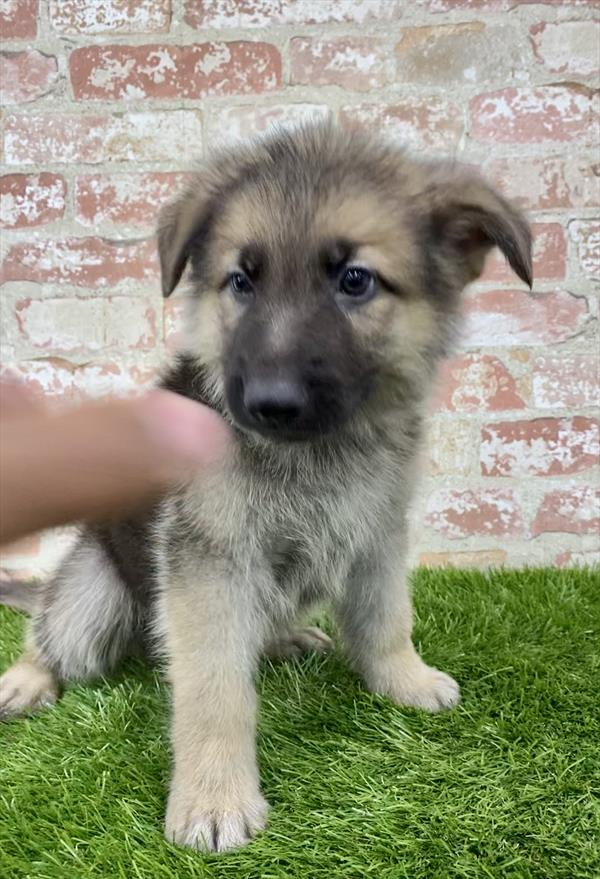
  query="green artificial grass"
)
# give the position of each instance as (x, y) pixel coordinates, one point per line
(505, 786)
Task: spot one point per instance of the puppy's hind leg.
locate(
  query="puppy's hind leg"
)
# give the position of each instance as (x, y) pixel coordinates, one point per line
(293, 643)
(84, 624)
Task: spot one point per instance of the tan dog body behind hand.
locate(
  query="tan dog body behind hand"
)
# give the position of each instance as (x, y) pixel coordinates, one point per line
(326, 276)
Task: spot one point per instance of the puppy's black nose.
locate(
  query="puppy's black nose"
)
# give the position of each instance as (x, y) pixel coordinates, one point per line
(274, 402)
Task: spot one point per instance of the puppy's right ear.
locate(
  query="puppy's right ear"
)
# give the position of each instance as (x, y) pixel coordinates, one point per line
(180, 224)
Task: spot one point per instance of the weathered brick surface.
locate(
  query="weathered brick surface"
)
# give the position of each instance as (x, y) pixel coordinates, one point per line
(548, 183)
(568, 47)
(73, 325)
(265, 13)
(31, 199)
(459, 54)
(357, 63)
(108, 102)
(584, 559)
(92, 17)
(475, 383)
(486, 512)
(65, 325)
(173, 322)
(481, 558)
(540, 447)
(467, 5)
(84, 262)
(72, 380)
(571, 510)
(18, 19)
(432, 122)
(516, 317)
(452, 447)
(147, 136)
(586, 235)
(25, 76)
(535, 115)
(242, 121)
(131, 199)
(164, 71)
(566, 381)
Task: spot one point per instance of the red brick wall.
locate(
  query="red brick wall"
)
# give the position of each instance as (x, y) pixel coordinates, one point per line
(107, 101)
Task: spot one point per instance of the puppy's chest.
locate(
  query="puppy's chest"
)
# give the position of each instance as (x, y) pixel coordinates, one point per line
(311, 529)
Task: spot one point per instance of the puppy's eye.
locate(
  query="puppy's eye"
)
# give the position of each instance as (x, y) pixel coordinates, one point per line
(357, 282)
(240, 284)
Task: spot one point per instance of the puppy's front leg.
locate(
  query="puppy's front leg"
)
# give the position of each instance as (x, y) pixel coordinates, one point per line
(376, 619)
(215, 802)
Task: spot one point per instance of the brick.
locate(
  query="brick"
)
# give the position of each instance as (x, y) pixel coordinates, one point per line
(25, 76)
(110, 16)
(66, 325)
(571, 510)
(451, 5)
(479, 558)
(354, 63)
(31, 199)
(569, 47)
(171, 136)
(495, 5)
(433, 122)
(451, 447)
(459, 54)
(173, 314)
(18, 19)
(585, 559)
(535, 115)
(269, 13)
(93, 262)
(131, 199)
(73, 381)
(586, 235)
(475, 383)
(540, 447)
(514, 317)
(549, 256)
(470, 512)
(239, 122)
(170, 71)
(73, 325)
(131, 323)
(548, 183)
(566, 381)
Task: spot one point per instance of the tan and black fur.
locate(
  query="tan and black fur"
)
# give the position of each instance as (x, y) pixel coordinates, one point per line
(326, 275)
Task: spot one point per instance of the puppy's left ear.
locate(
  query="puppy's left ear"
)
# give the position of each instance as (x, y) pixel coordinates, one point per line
(467, 217)
(180, 225)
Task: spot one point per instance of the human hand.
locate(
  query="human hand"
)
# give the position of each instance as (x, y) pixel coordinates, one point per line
(97, 460)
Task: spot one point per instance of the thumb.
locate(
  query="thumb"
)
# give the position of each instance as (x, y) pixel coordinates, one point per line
(100, 459)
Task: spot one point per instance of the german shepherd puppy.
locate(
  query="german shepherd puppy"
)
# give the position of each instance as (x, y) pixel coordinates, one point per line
(326, 275)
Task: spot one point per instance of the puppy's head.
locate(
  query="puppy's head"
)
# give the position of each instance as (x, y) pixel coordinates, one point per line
(326, 272)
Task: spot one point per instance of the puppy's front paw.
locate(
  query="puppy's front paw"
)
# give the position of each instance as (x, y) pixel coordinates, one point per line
(409, 681)
(212, 823)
